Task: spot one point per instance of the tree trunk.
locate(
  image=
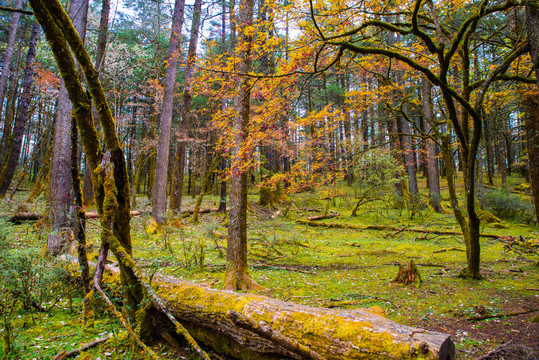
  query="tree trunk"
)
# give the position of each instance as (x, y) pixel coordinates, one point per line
(219, 319)
(409, 161)
(532, 23)
(185, 111)
(9, 114)
(10, 48)
(159, 200)
(61, 183)
(88, 189)
(532, 119)
(222, 197)
(237, 275)
(20, 123)
(432, 161)
(532, 139)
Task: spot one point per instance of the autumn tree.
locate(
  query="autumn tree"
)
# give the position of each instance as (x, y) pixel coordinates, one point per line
(444, 45)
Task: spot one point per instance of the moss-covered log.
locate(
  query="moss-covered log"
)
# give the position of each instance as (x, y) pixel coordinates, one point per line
(208, 314)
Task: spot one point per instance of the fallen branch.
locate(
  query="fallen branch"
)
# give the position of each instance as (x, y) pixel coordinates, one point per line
(498, 316)
(65, 355)
(448, 249)
(334, 225)
(258, 265)
(30, 216)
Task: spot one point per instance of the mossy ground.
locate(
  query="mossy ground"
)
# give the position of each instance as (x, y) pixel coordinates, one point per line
(320, 267)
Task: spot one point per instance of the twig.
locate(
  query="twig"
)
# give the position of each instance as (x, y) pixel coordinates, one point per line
(63, 355)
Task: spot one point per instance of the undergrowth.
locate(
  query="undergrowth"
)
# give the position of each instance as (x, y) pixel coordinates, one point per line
(314, 266)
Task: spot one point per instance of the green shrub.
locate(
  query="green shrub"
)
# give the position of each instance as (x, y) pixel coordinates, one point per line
(507, 206)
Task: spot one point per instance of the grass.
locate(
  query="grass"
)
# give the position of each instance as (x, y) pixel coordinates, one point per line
(312, 266)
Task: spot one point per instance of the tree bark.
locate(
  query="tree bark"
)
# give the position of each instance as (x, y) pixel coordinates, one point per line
(20, 123)
(10, 48)
(159, 200)
(185, 111)
(237, 275)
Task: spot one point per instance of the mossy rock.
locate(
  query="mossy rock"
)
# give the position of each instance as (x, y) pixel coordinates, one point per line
(487, 217)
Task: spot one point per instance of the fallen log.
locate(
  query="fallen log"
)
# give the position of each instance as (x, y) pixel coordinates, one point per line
(330, 333)
(200, 211)
(334, 225)
(95, 215)
(25, 216)
(30, 216)
(333, 214)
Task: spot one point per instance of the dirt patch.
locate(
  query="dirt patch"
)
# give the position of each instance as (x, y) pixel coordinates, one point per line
(482, 337)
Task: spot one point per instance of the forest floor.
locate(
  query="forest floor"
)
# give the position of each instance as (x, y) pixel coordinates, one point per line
(317, 266)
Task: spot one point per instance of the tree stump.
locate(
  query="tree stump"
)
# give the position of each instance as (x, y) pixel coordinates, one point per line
(408, 274)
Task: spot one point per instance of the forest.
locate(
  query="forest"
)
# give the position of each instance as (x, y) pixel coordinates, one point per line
(269, 179)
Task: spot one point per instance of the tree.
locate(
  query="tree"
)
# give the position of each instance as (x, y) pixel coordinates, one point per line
(445, 48)
(12, 155)
(159, 200)
(532, 102)
(185, 112)
(61, 202)
(237, 274)
(433, 177)
(10, 48)
(88, 193)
